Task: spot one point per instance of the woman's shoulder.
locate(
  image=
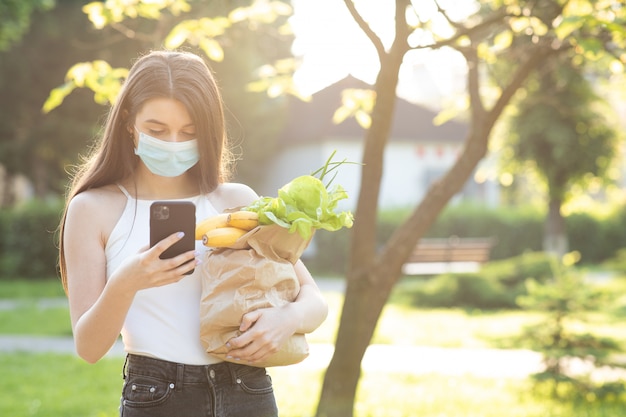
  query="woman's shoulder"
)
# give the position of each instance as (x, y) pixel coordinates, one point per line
(231, 194)
(97, 203)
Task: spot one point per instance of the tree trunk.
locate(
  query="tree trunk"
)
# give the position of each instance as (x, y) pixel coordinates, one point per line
(7, 188)
(372, 274)
(555, 234)
(364, 281)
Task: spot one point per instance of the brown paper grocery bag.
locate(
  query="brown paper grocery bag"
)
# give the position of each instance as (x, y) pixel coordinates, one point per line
(256, 272)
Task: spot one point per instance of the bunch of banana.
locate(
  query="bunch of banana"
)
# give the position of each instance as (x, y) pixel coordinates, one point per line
(224, 229)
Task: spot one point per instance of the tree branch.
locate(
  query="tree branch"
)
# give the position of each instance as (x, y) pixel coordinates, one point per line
(403, 31)
(467, 31)
(452, 23)
(365, 27)
(477, 107)
(518, 78)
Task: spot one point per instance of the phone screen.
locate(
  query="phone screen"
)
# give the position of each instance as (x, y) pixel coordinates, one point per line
(168, 217)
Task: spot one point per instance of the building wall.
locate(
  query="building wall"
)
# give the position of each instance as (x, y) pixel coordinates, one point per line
(409, 169)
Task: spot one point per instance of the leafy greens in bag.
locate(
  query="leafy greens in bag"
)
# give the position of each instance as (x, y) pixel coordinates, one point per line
(306, 204)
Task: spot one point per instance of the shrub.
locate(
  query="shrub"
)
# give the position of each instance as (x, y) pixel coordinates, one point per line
(566, 299)
(467, 290)
(28, 240)
(496, 286)
(514, 272)
(516, 230)
(331, 252)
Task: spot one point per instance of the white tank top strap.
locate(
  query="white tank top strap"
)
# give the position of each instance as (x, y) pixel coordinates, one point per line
(124, 190)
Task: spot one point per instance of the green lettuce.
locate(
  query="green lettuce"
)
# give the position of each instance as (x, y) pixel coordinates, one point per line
(306, 204)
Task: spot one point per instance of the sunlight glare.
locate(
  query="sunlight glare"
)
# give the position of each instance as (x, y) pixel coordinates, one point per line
(332, 46)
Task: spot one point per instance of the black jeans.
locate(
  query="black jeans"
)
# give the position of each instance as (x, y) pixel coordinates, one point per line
(158, 388)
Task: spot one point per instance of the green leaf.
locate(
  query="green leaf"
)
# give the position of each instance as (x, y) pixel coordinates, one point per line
(57, 96)
(363, 119)
(592, 47)
(177, 36)
(98, 76)
(503, 40)
(568, 26)
(212, 49)
(305, 204)
(341, 114)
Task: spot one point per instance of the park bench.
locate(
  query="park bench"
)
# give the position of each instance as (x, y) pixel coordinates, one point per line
(434, 256)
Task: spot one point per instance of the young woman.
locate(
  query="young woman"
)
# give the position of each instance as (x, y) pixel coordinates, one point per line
(164, 139)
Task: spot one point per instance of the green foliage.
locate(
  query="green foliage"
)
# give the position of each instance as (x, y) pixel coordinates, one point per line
(111, 12)
(204, 33)
(42, 146)
(517, 231)
(562, 128)
(567, 300)
(304, 204)
(330, 254)
(27, 240)
(617, 263)
(357, 103)
(461, 290)
(98, 76)
(15, 19)
(586, 231)
(496, 286)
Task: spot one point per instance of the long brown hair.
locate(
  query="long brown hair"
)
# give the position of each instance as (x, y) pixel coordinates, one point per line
(181, 76)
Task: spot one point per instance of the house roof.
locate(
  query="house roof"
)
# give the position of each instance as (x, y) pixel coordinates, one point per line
(312, 121)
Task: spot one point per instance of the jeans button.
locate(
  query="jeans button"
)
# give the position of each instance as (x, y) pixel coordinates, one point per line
(212, 373)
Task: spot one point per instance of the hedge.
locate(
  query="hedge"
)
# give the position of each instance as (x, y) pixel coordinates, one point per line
(516, 230)
(28, 248)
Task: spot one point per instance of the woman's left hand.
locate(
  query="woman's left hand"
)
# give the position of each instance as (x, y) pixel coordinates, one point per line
(264, 332)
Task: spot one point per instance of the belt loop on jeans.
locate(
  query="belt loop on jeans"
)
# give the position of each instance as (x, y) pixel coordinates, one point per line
(232, 370)
(125, 367)
(180, 371)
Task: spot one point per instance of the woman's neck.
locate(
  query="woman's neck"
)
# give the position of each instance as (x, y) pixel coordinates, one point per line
(147, 186)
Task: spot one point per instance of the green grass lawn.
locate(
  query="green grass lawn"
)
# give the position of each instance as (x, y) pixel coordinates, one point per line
(49, 385)
(29, 318)
(29, 289)
(53, 385)
(398, 324)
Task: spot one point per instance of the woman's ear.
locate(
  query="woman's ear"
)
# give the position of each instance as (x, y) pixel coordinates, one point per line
(129, 126)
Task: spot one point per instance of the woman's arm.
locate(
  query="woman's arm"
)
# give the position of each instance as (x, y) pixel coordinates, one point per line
(267, 329)
(310, 308)
(96, 315)
(99, 307)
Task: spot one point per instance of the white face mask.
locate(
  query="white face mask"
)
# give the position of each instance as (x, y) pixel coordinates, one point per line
(167, 159)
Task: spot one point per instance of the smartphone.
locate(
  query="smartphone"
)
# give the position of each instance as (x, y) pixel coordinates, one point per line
(168, 217)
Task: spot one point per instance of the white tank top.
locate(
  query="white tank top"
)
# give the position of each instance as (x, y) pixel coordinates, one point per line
(163, 322)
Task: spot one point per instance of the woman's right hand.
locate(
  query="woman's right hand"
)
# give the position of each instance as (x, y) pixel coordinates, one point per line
(147, 269)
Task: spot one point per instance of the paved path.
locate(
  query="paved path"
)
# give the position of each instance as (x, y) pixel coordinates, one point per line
(509, 363)
(386, 358)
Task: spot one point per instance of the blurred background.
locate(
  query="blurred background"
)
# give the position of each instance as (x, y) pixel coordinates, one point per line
(298, 80)
(284, 74)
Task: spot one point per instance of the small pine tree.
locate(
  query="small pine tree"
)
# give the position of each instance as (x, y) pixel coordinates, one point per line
(567, 299)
